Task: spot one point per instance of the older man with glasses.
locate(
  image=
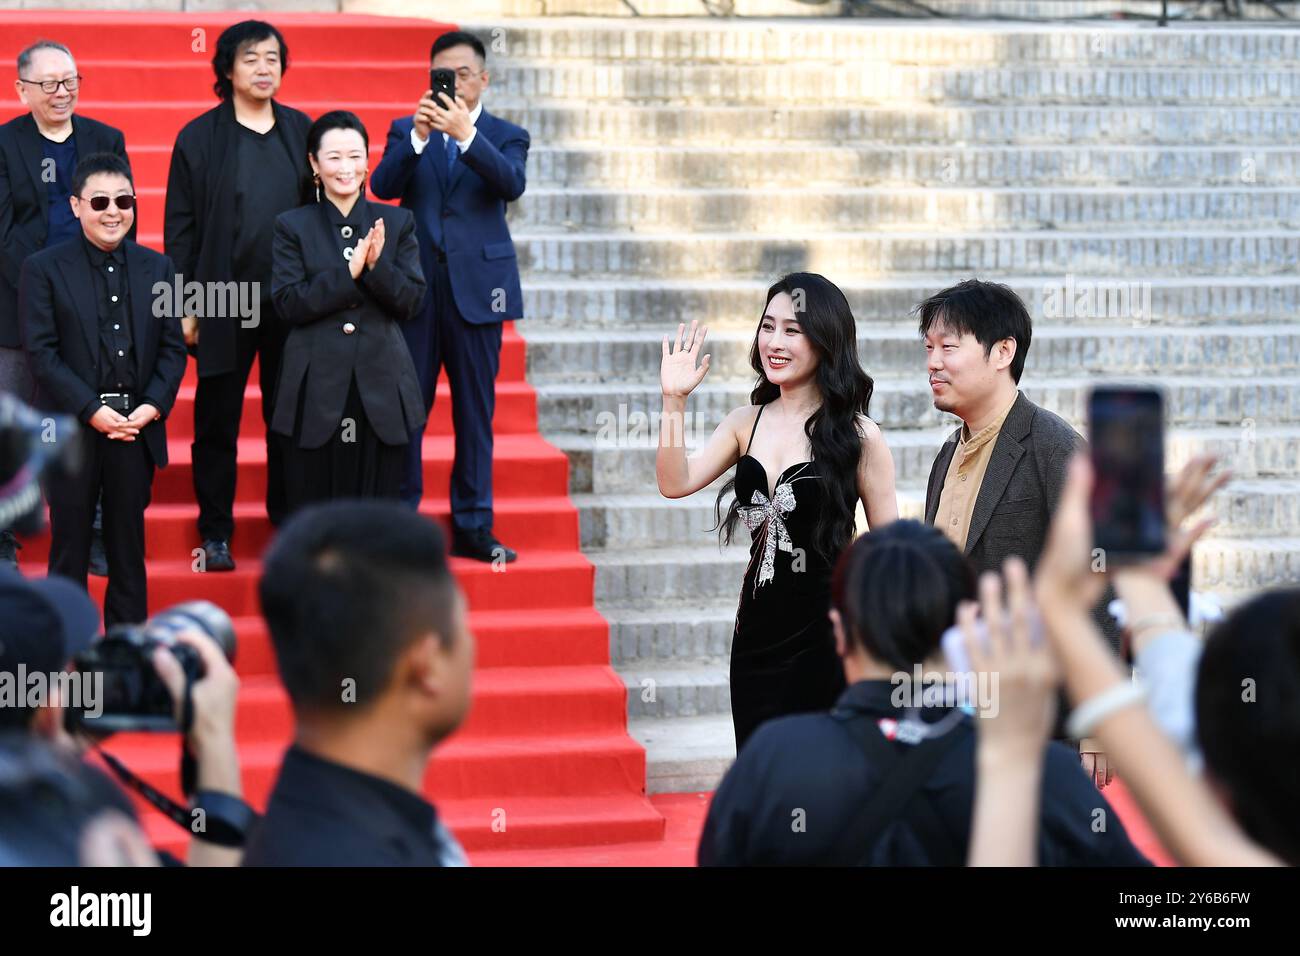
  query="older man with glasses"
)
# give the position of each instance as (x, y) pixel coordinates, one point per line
(38, 152)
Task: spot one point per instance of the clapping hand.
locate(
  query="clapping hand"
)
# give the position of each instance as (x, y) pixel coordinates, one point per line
(376, 237)
(678, 374)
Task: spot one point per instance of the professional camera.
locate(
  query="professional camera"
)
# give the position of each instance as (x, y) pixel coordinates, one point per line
(30, 445)
(133, 697)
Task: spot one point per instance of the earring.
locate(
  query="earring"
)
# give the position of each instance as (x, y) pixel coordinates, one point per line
(315, 178)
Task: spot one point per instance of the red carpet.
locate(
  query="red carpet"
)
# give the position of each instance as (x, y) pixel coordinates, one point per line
(544, 764)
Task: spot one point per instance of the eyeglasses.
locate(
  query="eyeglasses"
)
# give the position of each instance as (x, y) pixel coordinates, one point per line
(52, 86)
(100, 203)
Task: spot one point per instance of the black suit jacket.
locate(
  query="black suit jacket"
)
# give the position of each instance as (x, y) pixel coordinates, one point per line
(315, 294)
(199, 224)
(56, 298)
(1021, 487)
(24, 215)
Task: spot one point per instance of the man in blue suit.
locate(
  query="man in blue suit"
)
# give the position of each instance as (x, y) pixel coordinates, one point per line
(456, 166)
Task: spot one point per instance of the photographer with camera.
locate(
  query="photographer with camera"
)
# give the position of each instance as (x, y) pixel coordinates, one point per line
(65, 687)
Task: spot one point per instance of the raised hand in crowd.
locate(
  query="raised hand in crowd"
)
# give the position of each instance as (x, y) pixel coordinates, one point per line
(1191, 823)
(1015, 731)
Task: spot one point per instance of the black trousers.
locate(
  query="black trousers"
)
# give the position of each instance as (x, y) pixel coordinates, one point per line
(121, 473)
(218, 407)
(354, 463)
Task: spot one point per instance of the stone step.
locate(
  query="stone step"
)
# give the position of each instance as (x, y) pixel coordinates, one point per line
(694, 575)
(1007, 83)
(1236, 567)
(1121, 122)
(659, 635)
(598, 304)
(1247, 508)
(685, 755)
(664, 211)
(686, 576)
(678, 690)
(844, 254)
(794, 165)
(626, 464)
(920, 42)
(634, 354)
(906, 403)
(649, 520)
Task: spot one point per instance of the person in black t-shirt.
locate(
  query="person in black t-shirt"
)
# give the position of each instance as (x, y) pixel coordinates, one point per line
(233, 170)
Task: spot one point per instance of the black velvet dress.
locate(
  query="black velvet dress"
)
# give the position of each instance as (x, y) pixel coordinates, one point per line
(783, 658)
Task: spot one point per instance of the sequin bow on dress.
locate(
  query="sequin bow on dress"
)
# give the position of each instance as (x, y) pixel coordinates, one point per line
(770, 513)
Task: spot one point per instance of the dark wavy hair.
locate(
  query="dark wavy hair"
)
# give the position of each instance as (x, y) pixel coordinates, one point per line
(233, 39)
(827, 320)
(897, 589)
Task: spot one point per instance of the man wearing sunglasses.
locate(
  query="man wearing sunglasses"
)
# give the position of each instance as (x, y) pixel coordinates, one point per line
(99, 352)
(38, 151)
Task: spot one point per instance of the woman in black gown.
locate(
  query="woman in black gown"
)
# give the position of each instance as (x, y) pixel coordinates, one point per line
(805, 453)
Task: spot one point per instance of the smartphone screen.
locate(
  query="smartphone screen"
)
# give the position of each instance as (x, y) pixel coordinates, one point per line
(442, 81)
(1126, 435)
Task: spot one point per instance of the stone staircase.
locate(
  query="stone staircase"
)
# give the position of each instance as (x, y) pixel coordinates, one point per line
(679, 167)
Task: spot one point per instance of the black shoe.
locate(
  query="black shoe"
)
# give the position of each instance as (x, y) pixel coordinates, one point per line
(98, 559)
(217, 556)
(479, 544)
(9, 546)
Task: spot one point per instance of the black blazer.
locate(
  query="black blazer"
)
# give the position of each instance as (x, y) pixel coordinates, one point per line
(315, 294)
(56, 298)
(24, 215)
(199, 225)
(1021, 487)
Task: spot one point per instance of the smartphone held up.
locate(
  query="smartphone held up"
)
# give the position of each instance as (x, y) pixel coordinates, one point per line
(1126, 439)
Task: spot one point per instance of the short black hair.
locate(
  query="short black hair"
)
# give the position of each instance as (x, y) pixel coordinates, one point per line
(346, 587)
(233, 39)
(897, 590)
(94, 163)
(458, 38)
(1248, 718)
(989, 311)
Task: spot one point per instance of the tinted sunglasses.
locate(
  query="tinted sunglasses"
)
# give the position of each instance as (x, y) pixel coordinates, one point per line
(100, 203)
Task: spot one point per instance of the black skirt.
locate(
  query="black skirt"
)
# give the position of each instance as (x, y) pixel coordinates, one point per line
(354, 463)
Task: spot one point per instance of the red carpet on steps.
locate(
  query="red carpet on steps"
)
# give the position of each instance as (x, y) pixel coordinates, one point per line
(543, 771)
(545, 750)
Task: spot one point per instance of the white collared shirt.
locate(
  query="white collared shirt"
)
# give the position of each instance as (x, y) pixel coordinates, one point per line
(418, 144)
